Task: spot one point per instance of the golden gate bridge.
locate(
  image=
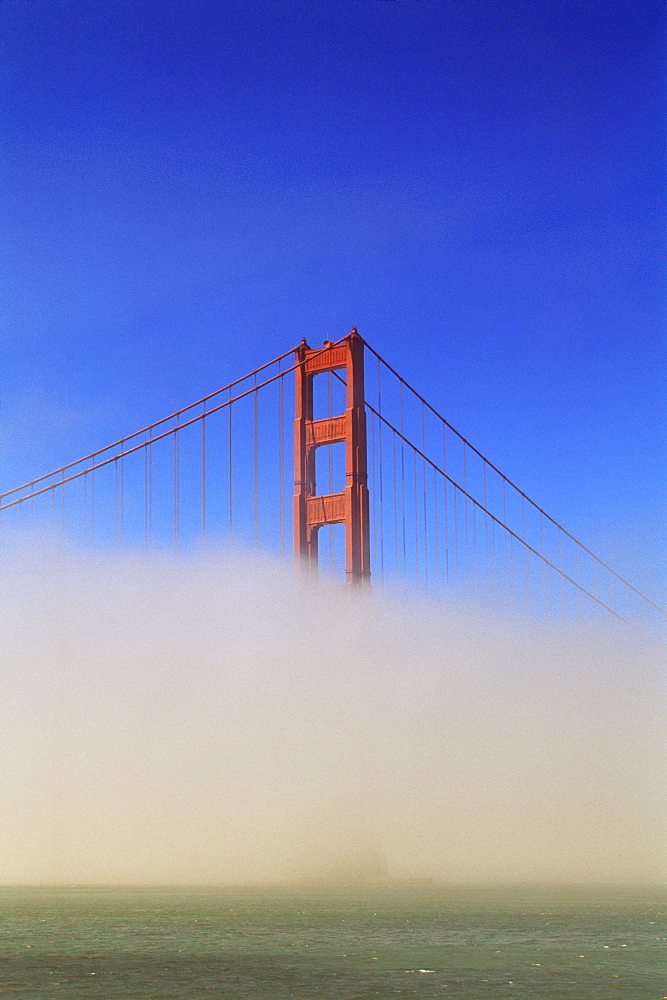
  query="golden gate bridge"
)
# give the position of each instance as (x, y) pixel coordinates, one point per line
(384, 490)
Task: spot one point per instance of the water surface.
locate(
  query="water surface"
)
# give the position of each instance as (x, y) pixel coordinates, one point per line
(345, 943)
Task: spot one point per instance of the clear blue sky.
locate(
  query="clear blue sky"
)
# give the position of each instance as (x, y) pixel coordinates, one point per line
(189, 188)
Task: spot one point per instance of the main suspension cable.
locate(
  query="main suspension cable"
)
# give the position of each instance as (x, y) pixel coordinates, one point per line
(496, 520)
(509, 482)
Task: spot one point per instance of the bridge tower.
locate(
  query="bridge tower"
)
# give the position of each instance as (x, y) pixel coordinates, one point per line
(313, 511)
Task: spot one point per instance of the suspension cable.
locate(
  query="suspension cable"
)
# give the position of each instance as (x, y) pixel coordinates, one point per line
(513, 485)
(143, 444)
(496, 520)
(150, 427)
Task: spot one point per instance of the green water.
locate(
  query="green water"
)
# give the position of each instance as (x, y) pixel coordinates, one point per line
(346, 944)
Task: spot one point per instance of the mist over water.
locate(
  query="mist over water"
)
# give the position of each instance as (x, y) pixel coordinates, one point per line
(215, 718)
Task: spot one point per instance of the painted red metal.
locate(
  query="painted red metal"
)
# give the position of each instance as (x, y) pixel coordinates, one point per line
(312, 511)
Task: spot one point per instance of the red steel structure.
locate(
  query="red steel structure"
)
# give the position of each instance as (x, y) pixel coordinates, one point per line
(350, 507)
(444, 518)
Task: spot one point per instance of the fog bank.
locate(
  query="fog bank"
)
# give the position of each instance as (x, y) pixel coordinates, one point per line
(214, 719)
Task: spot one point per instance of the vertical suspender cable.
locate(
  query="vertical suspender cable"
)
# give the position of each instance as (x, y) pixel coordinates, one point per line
(405, 565)
(150, 490)
(505, 536)
(494, 575)
(425, 528)
(395, 505)
(474, 547)
(122, 498)
(146, 482)
(486, 528)
(528, 590)
(92, 504)
(331, 469)
(435, 527)
(456, 537)
(373, 493)
(281, 459)
(256, 436)
(467, 545)
(177, 490)
(512, 581)
(561, 589)
(414, 479)
(425, 504)
(381, 497)
(231, 470)
(445, 484)
(203, 476)
(85, 508)
(465, 505)
(403, 479)
(544, 569)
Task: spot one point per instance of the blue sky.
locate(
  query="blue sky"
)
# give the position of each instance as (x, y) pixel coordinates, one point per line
(188, 189)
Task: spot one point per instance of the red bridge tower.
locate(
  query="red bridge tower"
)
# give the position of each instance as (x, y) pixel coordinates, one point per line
(350, 507)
